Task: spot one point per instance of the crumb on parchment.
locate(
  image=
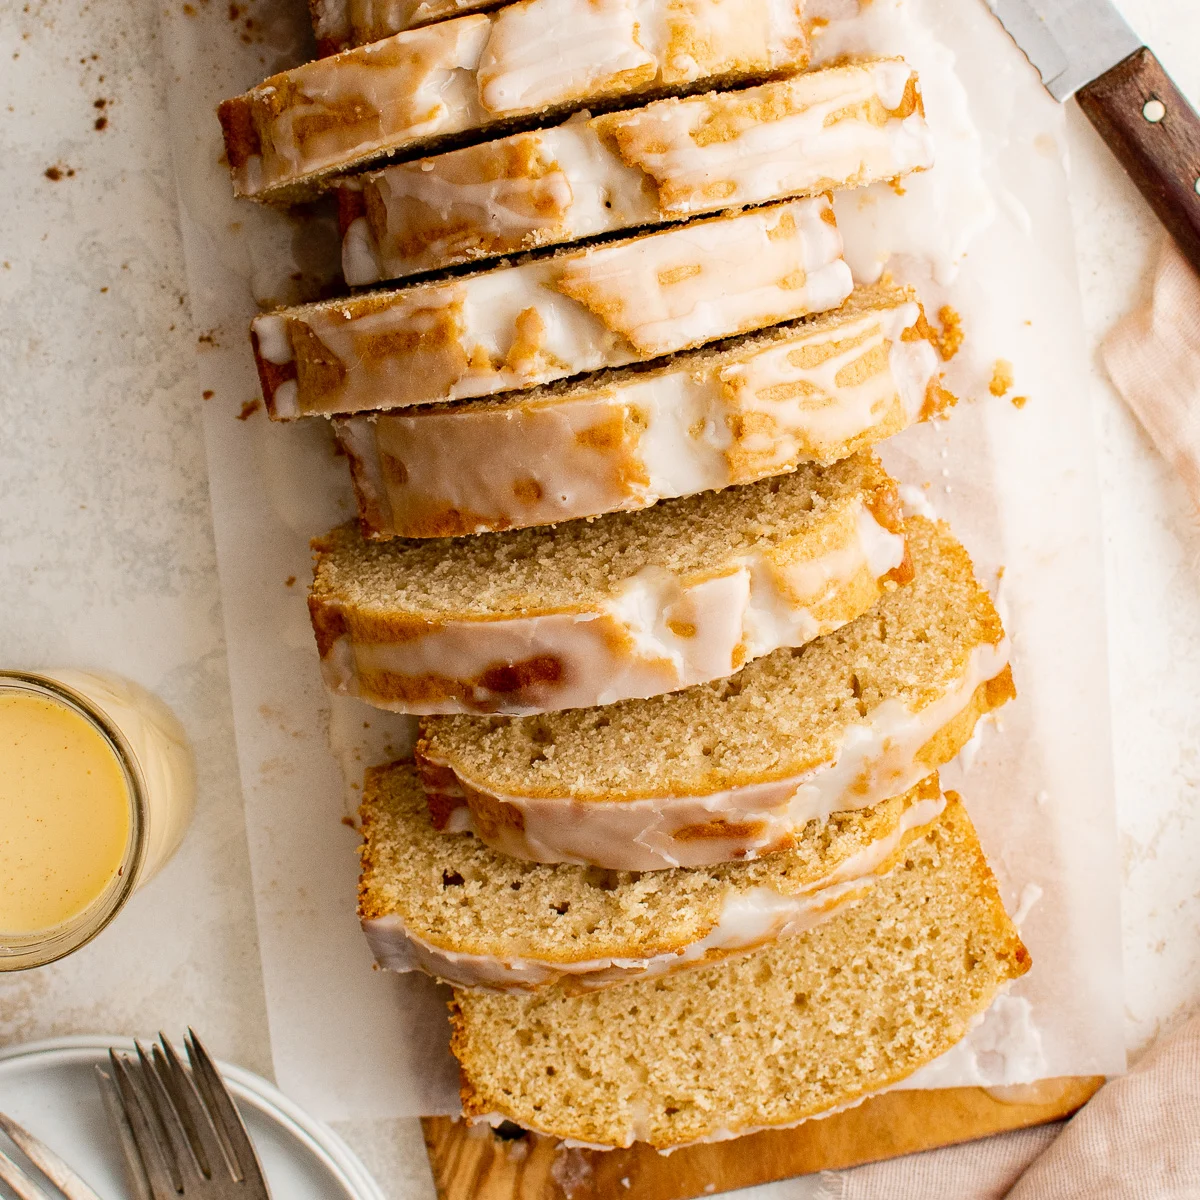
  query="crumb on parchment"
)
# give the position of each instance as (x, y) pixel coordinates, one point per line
(1002, 377)
(951, 339)
(947, 340)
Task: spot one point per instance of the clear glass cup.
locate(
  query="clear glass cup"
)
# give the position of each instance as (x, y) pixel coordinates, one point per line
(159, 777)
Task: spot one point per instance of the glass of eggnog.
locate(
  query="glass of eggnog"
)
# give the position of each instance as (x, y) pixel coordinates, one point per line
(97, 787)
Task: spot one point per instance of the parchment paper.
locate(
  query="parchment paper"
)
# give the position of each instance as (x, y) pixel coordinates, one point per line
(987, 231)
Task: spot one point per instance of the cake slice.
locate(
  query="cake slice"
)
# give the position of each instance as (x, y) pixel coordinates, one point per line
(845, 126)
(585, 613)
(794, 1030)
(817, 390)
(411, 91)
(530, 322)
(448, 905)
(735, 768)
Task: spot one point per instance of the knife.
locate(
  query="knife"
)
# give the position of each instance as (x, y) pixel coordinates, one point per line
(1084, 48)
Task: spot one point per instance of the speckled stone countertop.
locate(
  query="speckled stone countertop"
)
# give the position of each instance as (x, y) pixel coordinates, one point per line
(108, 561)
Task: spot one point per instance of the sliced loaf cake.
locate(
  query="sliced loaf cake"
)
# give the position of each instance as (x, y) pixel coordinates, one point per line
(288, 136)
(816, 390)
(736, 767)
(795, 1030)
(845, 126)
(632, 604)
(545, 318)
(451, 906)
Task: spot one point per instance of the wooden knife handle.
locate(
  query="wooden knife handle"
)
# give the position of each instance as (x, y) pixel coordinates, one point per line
(1155, 134)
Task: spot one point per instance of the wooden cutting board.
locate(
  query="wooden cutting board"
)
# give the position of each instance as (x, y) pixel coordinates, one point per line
(474, 1163)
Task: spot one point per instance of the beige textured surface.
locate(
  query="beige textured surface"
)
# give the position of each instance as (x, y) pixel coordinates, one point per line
(107, 549)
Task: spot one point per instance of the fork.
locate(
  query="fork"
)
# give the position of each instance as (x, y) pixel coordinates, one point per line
(46, 1161)
(178, 1128)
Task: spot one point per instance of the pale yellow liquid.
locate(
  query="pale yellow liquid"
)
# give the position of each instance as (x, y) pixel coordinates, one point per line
(64, 814)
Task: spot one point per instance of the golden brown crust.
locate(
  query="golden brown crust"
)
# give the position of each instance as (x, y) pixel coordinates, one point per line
(351, 204)
(490, 815)
(369, 904)
(519, 682)
(237, 124)
(718, 830)
(955, 734)
(442, 791)
(472, 1103)
(428, 689)
(451, 522)
(883, 504)
(374, 510)
(1006, 936)
(328, 622)
(270, 375)
(337, 620)
(1001, 689)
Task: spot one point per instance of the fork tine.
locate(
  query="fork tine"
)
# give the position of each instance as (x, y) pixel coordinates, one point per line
(187, 1169)
(139, 1074)
(212, 1106)
(16, 1179)
(46, 1161)
(220, 1105)
(198, 1123)
(159, 1171)
(135, 1170)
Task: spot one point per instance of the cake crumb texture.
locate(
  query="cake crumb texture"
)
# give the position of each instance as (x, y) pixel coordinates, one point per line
(813, 1023)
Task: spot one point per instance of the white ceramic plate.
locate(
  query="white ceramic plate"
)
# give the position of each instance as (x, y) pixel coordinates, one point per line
(50, 1088)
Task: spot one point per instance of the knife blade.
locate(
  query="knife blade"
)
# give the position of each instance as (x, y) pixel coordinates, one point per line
(1084, 48)
(1070, 42)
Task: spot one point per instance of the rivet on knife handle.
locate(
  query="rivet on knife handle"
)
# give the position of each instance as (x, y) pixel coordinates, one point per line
(1155, 134)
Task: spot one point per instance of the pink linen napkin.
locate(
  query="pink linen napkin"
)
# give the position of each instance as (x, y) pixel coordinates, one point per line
(1138, 1139)
(1153, 357)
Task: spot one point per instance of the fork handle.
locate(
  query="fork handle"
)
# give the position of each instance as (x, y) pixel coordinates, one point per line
(1155, 134)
